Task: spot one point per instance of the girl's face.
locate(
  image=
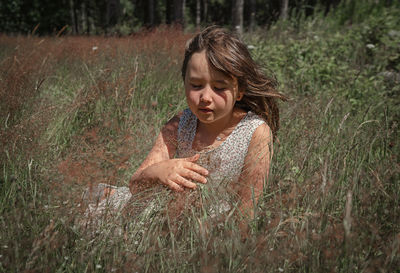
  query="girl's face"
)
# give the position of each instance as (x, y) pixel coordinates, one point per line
(210, 94)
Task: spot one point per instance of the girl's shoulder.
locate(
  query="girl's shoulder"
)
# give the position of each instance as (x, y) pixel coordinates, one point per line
(251, 122)
(251, 129)
(260, 128)
(169, 131)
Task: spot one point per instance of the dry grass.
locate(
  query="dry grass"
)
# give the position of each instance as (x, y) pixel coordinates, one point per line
(78, 111)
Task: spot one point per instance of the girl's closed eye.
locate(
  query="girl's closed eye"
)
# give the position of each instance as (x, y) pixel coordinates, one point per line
(219, 88)
(196, 86)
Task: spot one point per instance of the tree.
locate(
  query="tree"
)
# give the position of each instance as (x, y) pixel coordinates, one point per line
(198, 13)
(169, 11)
(253, 14)
(84, 18)
(150, 12)
(284, 9)
(205, 11)
(179, 6)
(113, 12)
(237, 16)
(74, 21)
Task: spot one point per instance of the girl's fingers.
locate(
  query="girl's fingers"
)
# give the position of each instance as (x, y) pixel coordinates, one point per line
(192, 158)
(197, 168)
(194, 176)
(184, 182)
(173, 186)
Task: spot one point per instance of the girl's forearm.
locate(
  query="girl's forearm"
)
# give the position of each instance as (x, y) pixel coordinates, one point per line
(141, 179)
(247, 215)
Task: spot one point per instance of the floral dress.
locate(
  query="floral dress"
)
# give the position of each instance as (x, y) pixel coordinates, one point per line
(224, 163)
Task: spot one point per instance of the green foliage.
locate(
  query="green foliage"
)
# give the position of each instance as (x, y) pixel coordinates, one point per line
(19, 16)
(346, 62)
(124, 17)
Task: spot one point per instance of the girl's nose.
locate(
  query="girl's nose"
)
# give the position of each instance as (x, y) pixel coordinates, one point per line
(206, 95)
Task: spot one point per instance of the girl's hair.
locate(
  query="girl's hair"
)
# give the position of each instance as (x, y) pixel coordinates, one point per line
(228, 54)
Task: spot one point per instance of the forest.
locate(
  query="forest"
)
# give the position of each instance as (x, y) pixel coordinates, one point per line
(122, 17)
(85, 87)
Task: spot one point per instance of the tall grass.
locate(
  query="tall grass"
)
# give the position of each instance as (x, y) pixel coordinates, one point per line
(78, 111)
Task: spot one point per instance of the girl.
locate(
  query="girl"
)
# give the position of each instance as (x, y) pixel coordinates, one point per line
(225, 135)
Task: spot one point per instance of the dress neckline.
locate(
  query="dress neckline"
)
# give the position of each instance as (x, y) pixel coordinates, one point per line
(211, 149)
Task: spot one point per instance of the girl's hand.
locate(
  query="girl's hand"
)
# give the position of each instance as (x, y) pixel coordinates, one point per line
(177, 173)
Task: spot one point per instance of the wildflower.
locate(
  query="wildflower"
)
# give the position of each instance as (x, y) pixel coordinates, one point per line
(98, 266)
(394, 33)
(370, 46)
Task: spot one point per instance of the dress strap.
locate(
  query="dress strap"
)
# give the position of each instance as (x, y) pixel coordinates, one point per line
(186, 132)
(238, 141)
(247, 127)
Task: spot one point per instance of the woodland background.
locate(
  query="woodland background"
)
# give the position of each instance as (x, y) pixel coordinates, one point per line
(128, 16)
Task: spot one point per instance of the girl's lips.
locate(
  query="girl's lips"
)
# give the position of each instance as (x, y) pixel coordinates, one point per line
(205, 110)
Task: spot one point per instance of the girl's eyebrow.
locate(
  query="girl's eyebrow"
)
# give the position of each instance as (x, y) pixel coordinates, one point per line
(222, 81)
(194, 79)
(215, 81)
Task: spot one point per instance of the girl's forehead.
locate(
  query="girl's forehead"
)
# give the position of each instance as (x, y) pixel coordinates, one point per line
(199, 66)
(198, 61)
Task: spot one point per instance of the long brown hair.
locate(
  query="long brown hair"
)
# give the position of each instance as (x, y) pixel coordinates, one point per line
(228, 54)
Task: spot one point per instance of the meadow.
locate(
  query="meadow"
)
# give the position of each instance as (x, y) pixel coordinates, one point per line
(78, 111)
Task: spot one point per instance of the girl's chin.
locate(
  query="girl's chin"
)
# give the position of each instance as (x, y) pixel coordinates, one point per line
(205, 118)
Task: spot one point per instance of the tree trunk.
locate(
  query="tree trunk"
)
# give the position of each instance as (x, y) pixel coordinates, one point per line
(113, 12)
(284, 9)
(91, 13)
(253, 14)
(150, 10)
(183, 12)
(72, 13)
(178, 12)
(84, 21)
(205, 11)
(198, 13)
(169, 14)
(237, 16)
(333, 4)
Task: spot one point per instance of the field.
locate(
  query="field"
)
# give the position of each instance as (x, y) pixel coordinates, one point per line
(78, 111)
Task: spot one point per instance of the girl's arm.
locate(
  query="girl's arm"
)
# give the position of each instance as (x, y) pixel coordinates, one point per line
(160, 165)
(255, 169)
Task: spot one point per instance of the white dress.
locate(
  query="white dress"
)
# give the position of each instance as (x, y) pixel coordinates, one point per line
(224, 163)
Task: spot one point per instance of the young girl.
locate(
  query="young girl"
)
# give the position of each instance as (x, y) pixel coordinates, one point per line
(225, 135)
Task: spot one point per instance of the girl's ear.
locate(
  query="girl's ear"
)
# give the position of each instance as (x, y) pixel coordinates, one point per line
(240, 96)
